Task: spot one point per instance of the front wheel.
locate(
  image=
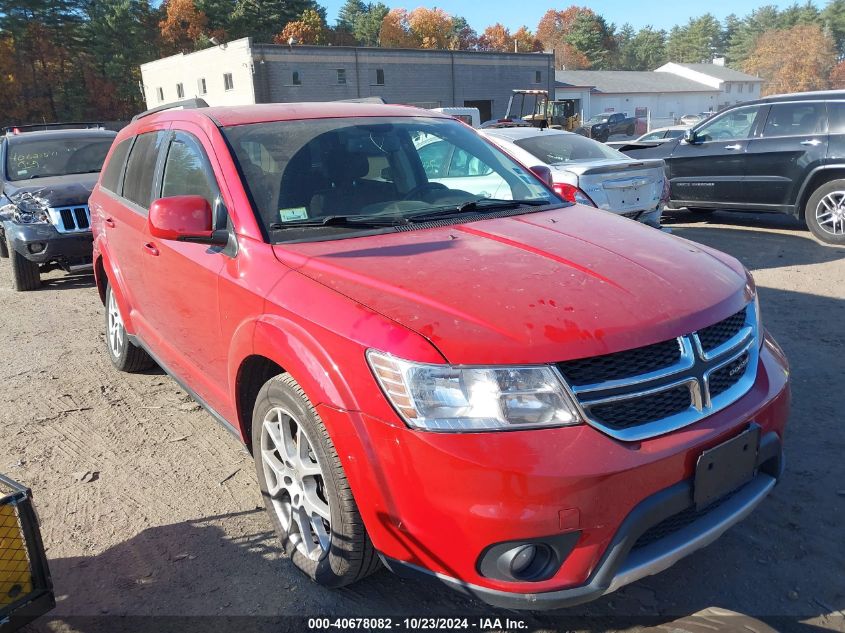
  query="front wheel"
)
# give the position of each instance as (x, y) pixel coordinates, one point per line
(825, 213)
(24, 274)
(305, 489)
(124, 354)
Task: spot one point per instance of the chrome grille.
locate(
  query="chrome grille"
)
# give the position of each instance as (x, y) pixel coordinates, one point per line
(75, 219)
(652, 390)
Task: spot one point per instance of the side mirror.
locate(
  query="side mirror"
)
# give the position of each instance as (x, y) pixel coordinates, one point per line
(543, 173)
(184, 219)
(691, 137)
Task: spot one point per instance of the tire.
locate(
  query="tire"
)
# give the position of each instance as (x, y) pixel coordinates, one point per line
(4, 248)
(630, 130)
(124, 354)
(603, 138)
(824, 213)
(24, 274)
(336, 552)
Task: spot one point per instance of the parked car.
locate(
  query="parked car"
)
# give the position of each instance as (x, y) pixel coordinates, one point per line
(532, 401)
(783, 153)
(663, 133)
(470, 116)
(692, 119)
(602, 126)
(588, 172)
(45, 180)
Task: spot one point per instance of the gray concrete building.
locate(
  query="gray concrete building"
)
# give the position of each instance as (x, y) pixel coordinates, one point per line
(241, 72)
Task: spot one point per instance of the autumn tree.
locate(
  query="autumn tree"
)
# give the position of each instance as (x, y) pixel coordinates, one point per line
(310, 28)
(462, 36)
(525, 41)
(496, 38)
(262, 19)
(431, 27)
(396, 31)
(579, 37)
(793, 60)
(837, 77)
(183, 25)
(833, 21)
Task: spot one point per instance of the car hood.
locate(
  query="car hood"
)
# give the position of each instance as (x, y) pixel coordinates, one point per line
(56, 191)
(535, 288)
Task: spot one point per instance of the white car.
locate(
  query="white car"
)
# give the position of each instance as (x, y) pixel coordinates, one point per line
(589, 172)
(663, 134)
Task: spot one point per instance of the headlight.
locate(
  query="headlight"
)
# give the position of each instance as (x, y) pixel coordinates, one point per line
(28, 210)
(468, 398)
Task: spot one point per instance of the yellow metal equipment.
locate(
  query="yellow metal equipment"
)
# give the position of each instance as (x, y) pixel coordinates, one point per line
(25, 587)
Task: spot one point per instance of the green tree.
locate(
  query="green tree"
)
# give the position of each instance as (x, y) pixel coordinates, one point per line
(262, 19)
(695, 42)
(349, 13)
(833, 21)
(644, 50)
(368, 25)
(743, 39)
(592, 36)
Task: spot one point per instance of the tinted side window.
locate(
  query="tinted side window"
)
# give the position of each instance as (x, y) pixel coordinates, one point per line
(733, 124)
(187, 172)
(836, 116)
(114, 168)
(140, 170)
(795, 119)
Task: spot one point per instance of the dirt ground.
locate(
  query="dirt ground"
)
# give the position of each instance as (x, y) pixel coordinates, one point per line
(149, 508)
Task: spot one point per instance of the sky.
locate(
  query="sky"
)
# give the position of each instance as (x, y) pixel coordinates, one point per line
(639, 13)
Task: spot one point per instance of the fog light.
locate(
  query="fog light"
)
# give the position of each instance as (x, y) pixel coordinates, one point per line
(522, 559)
(36, 247)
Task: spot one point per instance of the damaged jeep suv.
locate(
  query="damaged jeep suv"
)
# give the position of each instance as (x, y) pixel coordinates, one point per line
(45, 180)
(533, 401)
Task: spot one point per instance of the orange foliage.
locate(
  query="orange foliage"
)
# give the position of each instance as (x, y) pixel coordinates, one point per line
(396, 31)
(183, 24)
(308, 29)
(793, 60)
(431, 27)
(837, 77)
(496, 38)
(526, 42)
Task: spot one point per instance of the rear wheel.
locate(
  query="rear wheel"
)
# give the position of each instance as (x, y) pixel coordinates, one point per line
(630, 130)
(825, 213)
(124, 354)
(305, 489)
(24, 274)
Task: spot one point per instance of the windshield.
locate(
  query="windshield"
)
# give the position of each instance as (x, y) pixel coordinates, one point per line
(56, 157)
(305, 175)
(554, 149)
(601, 118)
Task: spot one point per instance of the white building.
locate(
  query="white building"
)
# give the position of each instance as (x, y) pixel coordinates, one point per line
(733, 86)
(663, 96)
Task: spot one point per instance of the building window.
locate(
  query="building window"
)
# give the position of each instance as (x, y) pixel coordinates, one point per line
(538, 76)
(201, 87)
(228, 83)
(160, 92)
(180, 91)
(379, 76)
(296, 78)
(341, 75)
(727, 88)
(739, 88)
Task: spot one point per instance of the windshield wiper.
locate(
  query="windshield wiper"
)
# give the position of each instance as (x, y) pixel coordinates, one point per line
(481, 204)
(358, 221)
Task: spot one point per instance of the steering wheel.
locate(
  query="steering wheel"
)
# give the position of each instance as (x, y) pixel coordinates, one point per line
(412, 194)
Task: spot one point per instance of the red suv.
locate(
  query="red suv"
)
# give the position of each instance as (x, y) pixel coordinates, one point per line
(444, 368)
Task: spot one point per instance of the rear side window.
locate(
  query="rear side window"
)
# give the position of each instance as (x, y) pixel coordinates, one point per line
(187, 172)
(795, 119)
(140, 170)
(836, 114)
(114, 168)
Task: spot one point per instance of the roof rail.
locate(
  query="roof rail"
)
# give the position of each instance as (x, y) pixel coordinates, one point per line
(44, 127)
(363, 100)
(188, 104)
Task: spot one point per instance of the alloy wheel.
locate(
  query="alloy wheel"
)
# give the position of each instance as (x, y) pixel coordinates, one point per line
(117, 332)
(295, 483)
(830, 213)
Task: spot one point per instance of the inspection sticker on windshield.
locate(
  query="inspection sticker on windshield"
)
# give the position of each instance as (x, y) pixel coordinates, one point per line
(294, 213)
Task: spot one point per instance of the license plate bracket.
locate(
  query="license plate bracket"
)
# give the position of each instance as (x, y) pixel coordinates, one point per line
(726, 467)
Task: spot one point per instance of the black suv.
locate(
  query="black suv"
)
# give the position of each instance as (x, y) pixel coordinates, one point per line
(783, 153)
(45, 180)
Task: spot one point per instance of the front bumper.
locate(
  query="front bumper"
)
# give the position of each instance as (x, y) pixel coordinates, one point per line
(43, 244)
(433, 503)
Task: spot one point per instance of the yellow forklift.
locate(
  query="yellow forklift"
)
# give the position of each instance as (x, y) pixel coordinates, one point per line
(26, 590)
(534, 108)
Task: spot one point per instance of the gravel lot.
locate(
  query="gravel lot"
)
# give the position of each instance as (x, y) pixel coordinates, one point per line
(150, 508)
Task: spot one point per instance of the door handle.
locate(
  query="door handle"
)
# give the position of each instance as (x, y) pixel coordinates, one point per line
(736, 146)
(151, 249)
(109, 223)
(812, 142)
